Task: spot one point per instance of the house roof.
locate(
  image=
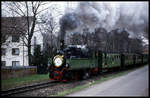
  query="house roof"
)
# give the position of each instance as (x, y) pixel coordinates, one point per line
(15, 25)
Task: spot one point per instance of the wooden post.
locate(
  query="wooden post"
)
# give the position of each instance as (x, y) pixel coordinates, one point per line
(99, 62)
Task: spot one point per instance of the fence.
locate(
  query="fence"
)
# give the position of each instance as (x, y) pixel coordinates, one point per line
(9, 72)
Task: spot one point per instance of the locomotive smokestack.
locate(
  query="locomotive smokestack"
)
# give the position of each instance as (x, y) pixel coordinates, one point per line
(62, 44)
(67, 23)
(61, 37)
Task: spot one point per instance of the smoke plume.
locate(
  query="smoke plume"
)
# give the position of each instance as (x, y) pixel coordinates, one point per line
(68, 22)
(109, 15)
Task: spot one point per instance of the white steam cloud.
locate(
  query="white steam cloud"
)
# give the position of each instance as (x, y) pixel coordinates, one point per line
(110, 15)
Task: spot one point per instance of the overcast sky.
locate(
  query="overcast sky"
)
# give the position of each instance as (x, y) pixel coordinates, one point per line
(60, 5)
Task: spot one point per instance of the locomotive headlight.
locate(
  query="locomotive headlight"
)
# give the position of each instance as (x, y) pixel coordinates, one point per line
(58, 60)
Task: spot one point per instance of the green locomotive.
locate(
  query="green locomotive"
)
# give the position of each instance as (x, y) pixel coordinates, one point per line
(75, 63)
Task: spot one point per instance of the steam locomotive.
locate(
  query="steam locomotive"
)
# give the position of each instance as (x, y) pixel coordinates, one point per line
(74, 62)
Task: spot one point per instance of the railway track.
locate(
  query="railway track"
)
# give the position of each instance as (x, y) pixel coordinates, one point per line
(27, 88)
(45, 84)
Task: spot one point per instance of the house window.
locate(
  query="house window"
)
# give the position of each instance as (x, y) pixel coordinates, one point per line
(15, 38)
(3, 63)
(15, 63)
(3, 51)
(15, 51)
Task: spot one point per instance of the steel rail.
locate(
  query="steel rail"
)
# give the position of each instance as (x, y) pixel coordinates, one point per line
(27, 88)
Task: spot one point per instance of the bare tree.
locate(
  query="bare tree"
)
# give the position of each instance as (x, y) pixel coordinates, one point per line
(49, 28)
(11, 26)
(29, 10)
(146, 32)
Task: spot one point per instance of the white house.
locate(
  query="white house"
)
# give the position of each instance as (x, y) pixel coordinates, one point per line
(13, 50)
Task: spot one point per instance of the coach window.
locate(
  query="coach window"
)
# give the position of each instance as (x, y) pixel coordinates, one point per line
(15, 51)
(15, 38)
(118, 56)
(15, 63)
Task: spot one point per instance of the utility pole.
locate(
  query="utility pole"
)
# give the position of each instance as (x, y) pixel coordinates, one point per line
(23, 51)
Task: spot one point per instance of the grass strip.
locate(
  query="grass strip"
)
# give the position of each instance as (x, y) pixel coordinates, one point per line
(20, 81)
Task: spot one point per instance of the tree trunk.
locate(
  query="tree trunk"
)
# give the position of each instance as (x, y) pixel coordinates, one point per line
(29, 41)
(29, 54)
